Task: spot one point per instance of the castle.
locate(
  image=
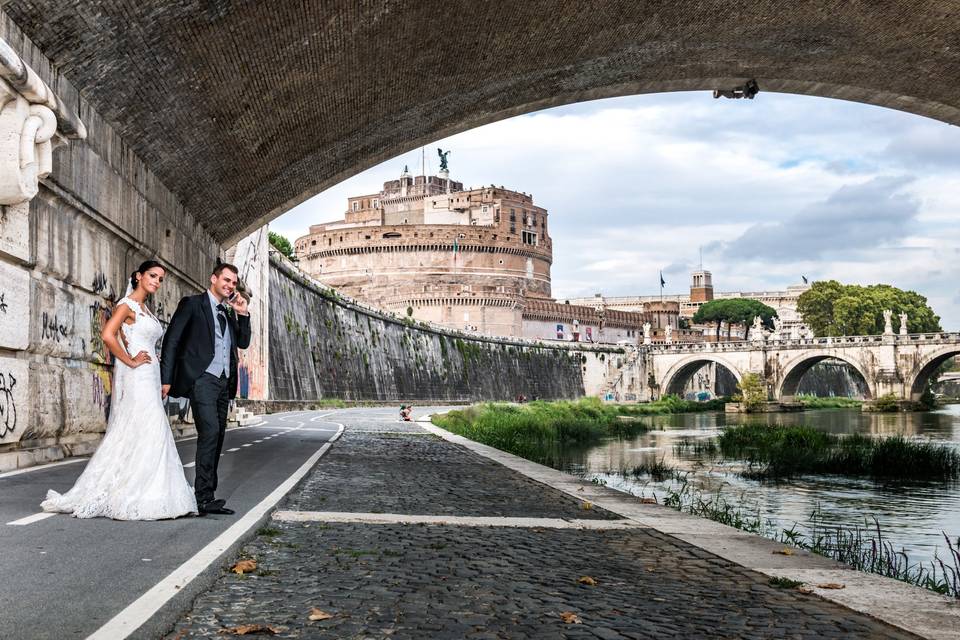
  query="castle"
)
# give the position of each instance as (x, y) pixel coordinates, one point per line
(473, 259)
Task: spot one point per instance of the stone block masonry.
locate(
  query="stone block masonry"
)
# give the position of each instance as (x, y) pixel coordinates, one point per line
(71, 231)
(324, 346)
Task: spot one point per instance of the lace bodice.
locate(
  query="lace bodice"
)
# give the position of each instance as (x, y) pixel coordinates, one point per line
(145, 331)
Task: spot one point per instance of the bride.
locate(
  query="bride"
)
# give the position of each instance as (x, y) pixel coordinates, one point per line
(136, 473)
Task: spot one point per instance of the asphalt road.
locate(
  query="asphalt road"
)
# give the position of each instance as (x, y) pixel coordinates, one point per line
(65, 578)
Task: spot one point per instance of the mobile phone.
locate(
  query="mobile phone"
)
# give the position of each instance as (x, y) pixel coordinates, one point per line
(232, 297)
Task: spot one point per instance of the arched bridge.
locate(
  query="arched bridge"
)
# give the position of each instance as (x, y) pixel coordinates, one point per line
(889, 364)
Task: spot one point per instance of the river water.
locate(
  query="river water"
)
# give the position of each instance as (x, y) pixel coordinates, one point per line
(911, 514)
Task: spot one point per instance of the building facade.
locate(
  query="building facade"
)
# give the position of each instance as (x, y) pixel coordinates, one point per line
(784, 302)
(473, 259)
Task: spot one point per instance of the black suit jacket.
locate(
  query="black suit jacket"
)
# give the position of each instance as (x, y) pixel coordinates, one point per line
(188, 344)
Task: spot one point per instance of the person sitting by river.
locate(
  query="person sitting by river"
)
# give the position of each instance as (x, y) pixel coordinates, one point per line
(405, 411)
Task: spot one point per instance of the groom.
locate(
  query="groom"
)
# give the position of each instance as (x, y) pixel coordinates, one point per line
(198, 360)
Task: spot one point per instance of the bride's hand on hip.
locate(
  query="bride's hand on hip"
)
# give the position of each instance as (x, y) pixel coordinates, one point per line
(141, 358)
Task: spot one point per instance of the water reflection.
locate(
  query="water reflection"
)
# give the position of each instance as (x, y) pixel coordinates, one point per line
(912, 514)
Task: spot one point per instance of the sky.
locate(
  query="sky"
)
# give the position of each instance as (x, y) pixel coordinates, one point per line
(769, 190)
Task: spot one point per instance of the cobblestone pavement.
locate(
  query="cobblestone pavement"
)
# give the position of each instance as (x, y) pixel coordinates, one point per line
(442, 581)
(418, 473)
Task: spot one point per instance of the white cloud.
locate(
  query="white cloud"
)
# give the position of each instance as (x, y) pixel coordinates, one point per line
(789, 185)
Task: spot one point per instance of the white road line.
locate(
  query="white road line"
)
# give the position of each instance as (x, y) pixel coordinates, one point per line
(246, 445)
(144, 607)
(257, 441)
(234, 449)
(37, 517)
(41, 467)
(464, 521)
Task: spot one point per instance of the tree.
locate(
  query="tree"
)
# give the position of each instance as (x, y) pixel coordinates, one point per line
(734, 311)
(753, 392)
(282, 245)
(830, 308)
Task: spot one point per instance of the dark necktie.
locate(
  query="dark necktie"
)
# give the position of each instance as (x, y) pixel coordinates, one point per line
(222, 319)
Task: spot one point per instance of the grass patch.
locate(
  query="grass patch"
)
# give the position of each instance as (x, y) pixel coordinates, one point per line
(782, 582)
(540, 430)
(536, 430)
(329, 403)
(268, 532)
(834, 402)
(658, 470)
(781, 451)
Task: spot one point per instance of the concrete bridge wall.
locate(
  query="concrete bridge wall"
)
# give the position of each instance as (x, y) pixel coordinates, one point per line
(323, 346)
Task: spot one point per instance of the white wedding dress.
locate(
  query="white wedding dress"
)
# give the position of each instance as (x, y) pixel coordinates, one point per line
(136, 473)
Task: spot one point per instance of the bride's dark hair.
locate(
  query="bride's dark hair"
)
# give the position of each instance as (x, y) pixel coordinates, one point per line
(142, 269)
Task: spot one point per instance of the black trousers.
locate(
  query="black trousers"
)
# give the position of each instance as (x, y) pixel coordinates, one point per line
(210, 400)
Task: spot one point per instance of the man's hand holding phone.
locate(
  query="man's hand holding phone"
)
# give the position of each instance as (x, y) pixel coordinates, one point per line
(239, 303)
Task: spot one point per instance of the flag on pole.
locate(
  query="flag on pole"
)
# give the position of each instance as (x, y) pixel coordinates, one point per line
(662, 281)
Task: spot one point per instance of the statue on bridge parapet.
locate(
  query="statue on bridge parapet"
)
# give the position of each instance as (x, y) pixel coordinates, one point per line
(887, 322)
(646, 333)
(756, 331)
(777, 328)
(668, 334)
(903, 324)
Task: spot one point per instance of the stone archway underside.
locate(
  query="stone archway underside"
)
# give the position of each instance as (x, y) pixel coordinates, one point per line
(789, 388)
(677, 378)
(245, 109)
(919, 382)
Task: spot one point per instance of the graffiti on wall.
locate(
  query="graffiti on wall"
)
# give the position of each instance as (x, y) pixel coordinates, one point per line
(101, 286)
(102, 390)
(3, 305)
(99, 314)
(51, 328)
(8, 404)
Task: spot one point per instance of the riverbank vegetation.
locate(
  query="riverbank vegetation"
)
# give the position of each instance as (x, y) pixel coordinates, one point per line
(780, 451)
(537, 429)
(864, 548)
(832, 402)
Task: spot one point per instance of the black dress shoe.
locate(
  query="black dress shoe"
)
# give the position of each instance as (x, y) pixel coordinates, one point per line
(215, 507)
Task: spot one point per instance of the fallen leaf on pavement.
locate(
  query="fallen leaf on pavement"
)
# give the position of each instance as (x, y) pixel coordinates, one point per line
(588, 581)
(317, 614)
(586, 504)
(570, 617)
(785, 552)
(831, 585)
(805, 589)
(244, 566)
(247, 629)
(648, 501)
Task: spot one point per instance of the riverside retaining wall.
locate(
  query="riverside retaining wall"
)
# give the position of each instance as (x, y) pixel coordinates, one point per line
(323, 346)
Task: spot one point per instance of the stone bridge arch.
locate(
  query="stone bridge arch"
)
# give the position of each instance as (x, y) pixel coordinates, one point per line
(917, 380)
(794, 370)
(677, 376)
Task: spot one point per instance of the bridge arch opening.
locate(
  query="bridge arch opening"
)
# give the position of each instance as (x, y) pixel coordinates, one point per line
(701, 379)
(927, 370)
(824, 375)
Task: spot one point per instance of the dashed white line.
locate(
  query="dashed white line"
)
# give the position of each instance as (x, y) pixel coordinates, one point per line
(246, 445)
(234, 449)
(31, 519)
